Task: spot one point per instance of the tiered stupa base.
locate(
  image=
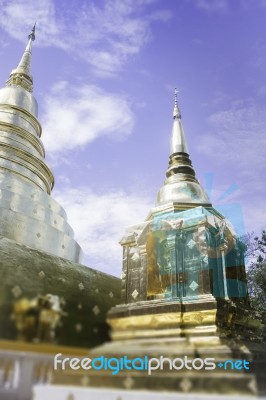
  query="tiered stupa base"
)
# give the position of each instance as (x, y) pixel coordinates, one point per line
(174, 330)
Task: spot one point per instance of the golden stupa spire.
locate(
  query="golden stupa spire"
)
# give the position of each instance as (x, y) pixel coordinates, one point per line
(176, 113)
(181, 185)
(178, 141)
(35, 219)
(21, 76)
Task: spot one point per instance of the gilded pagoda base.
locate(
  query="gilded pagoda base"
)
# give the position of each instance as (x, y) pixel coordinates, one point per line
(160, 330)
(218, 381)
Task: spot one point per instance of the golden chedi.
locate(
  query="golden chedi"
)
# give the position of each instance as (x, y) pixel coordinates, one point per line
(184, 296)
(29, 215)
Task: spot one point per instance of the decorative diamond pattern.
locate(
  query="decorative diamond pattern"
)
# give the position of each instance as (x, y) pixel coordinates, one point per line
(191, 243)
(78, 327)
(41, 274)
(135, 294)
(252, 386)
(16, 291)
(205, 259)
(49, 378)
(193, 286)
(128, 382)
(185, 385)
(85, 380)
(135, 257)
(62, 301)
(96, 310)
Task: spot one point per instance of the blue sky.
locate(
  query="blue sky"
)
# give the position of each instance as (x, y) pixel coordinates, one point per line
(104, 73)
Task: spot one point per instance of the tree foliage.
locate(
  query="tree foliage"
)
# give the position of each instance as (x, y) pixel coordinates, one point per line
(256, 272)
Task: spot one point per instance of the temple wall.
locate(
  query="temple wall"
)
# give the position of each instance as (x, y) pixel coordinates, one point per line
(86, 294)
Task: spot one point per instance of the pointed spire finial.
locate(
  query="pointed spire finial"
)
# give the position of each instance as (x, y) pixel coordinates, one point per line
(178, 141)
(32, 34)
(181, 185)
(176, 113)
(176, 91)
(21, 76)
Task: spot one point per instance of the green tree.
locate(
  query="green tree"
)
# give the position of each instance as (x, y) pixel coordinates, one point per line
(256, 272)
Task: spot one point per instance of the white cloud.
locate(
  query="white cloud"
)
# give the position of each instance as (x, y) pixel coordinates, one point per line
(99, 222)
(240, 135)
(16, 14)
(105, 35)
(253, 3)
(212, 5)
(3, 44)
(75, 116)
(63, 179)
(254, 215)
